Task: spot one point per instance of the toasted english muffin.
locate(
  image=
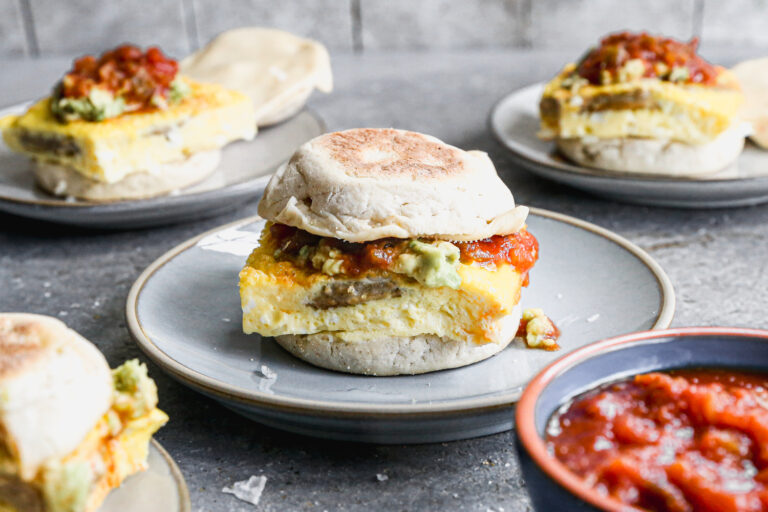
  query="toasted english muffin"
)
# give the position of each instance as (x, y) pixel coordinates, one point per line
(365, 184)
(63, 181)
(656, 156)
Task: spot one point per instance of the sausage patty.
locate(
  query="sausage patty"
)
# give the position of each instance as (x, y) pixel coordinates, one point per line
(353, 292)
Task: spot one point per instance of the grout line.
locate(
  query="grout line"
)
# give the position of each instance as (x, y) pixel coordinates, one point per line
(698, 18)
(526, 23)
(355, 10)
(189, 16)
(28, 21)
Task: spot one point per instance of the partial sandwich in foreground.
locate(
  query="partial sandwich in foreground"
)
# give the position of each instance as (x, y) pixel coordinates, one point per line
(388, 252)
(645, 104)
(71, 429)
(127, 125)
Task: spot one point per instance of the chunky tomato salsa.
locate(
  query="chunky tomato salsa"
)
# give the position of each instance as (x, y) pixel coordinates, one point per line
(520, 250)
(688, 440)
(125, 79)
(627, 55)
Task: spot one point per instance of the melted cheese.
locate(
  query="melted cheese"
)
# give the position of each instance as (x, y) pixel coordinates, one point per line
(690, 113)
(275, 297)
(107, 151)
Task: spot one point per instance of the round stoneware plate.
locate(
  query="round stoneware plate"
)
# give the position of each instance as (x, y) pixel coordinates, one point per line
(160, 488)
(184, 312)
(243, 173)
(515, 121)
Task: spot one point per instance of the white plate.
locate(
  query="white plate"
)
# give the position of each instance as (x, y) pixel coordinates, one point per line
(515, 120)
(160, 488)
(184, 312)
(243, 173)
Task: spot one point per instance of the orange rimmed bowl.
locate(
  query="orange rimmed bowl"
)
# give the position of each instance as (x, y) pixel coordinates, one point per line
(551, 485)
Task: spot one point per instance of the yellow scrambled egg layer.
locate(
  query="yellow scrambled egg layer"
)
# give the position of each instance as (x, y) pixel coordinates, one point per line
(207, 119)
(690, 113)
(119, 455)
(274, 296)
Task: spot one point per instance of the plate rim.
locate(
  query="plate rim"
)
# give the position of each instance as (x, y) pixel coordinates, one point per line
(185, 503)
(588, 172)
(230, 393)
(148, 203)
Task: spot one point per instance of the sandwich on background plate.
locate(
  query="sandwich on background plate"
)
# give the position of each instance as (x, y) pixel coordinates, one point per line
(645, 104)
(127, 125)
(388, 252)
(71, 429)
(276, 69)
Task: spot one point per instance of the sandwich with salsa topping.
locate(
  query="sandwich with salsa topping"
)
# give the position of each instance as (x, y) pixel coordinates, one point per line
(127, 125)
(388, 252)
(646, 104)
(71, 429)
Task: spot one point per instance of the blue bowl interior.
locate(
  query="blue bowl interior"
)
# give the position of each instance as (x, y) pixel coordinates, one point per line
(707, 351)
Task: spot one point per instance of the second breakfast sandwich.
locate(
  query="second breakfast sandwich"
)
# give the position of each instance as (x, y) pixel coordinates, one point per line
(127, 125)
(646, 104)
(388, 252)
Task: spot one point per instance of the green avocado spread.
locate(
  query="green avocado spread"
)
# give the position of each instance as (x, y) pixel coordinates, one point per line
(101, 104)
(66, 486)
(135, 392)
(430, 263)
(97, 106)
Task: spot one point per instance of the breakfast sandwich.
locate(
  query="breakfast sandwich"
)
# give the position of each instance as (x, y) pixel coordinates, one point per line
(127, 125)
(274, 68)
(647, 104)
(388, 252)
(70, 429)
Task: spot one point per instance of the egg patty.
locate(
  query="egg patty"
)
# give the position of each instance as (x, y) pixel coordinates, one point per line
(281, 297)
(645, 108)
(207, 119)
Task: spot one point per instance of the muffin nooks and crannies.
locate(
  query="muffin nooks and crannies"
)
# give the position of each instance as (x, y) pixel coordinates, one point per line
(365, 184)
(645, 104)
(388, 252)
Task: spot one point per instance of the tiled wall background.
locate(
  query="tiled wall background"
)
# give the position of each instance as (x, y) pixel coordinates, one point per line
(40, 28)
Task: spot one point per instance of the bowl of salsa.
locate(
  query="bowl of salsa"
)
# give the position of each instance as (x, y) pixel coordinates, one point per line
(670, 421)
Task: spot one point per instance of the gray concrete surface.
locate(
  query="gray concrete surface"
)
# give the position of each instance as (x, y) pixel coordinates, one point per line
(717, 260)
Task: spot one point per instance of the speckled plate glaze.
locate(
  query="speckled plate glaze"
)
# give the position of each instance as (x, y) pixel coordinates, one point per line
(515, 120)
(184, 312)
(243, 173)
(161, 488)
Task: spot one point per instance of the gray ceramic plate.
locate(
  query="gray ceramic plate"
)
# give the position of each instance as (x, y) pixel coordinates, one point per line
(243, 173)
(515, 120)
(160, 488)
(184, 312)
